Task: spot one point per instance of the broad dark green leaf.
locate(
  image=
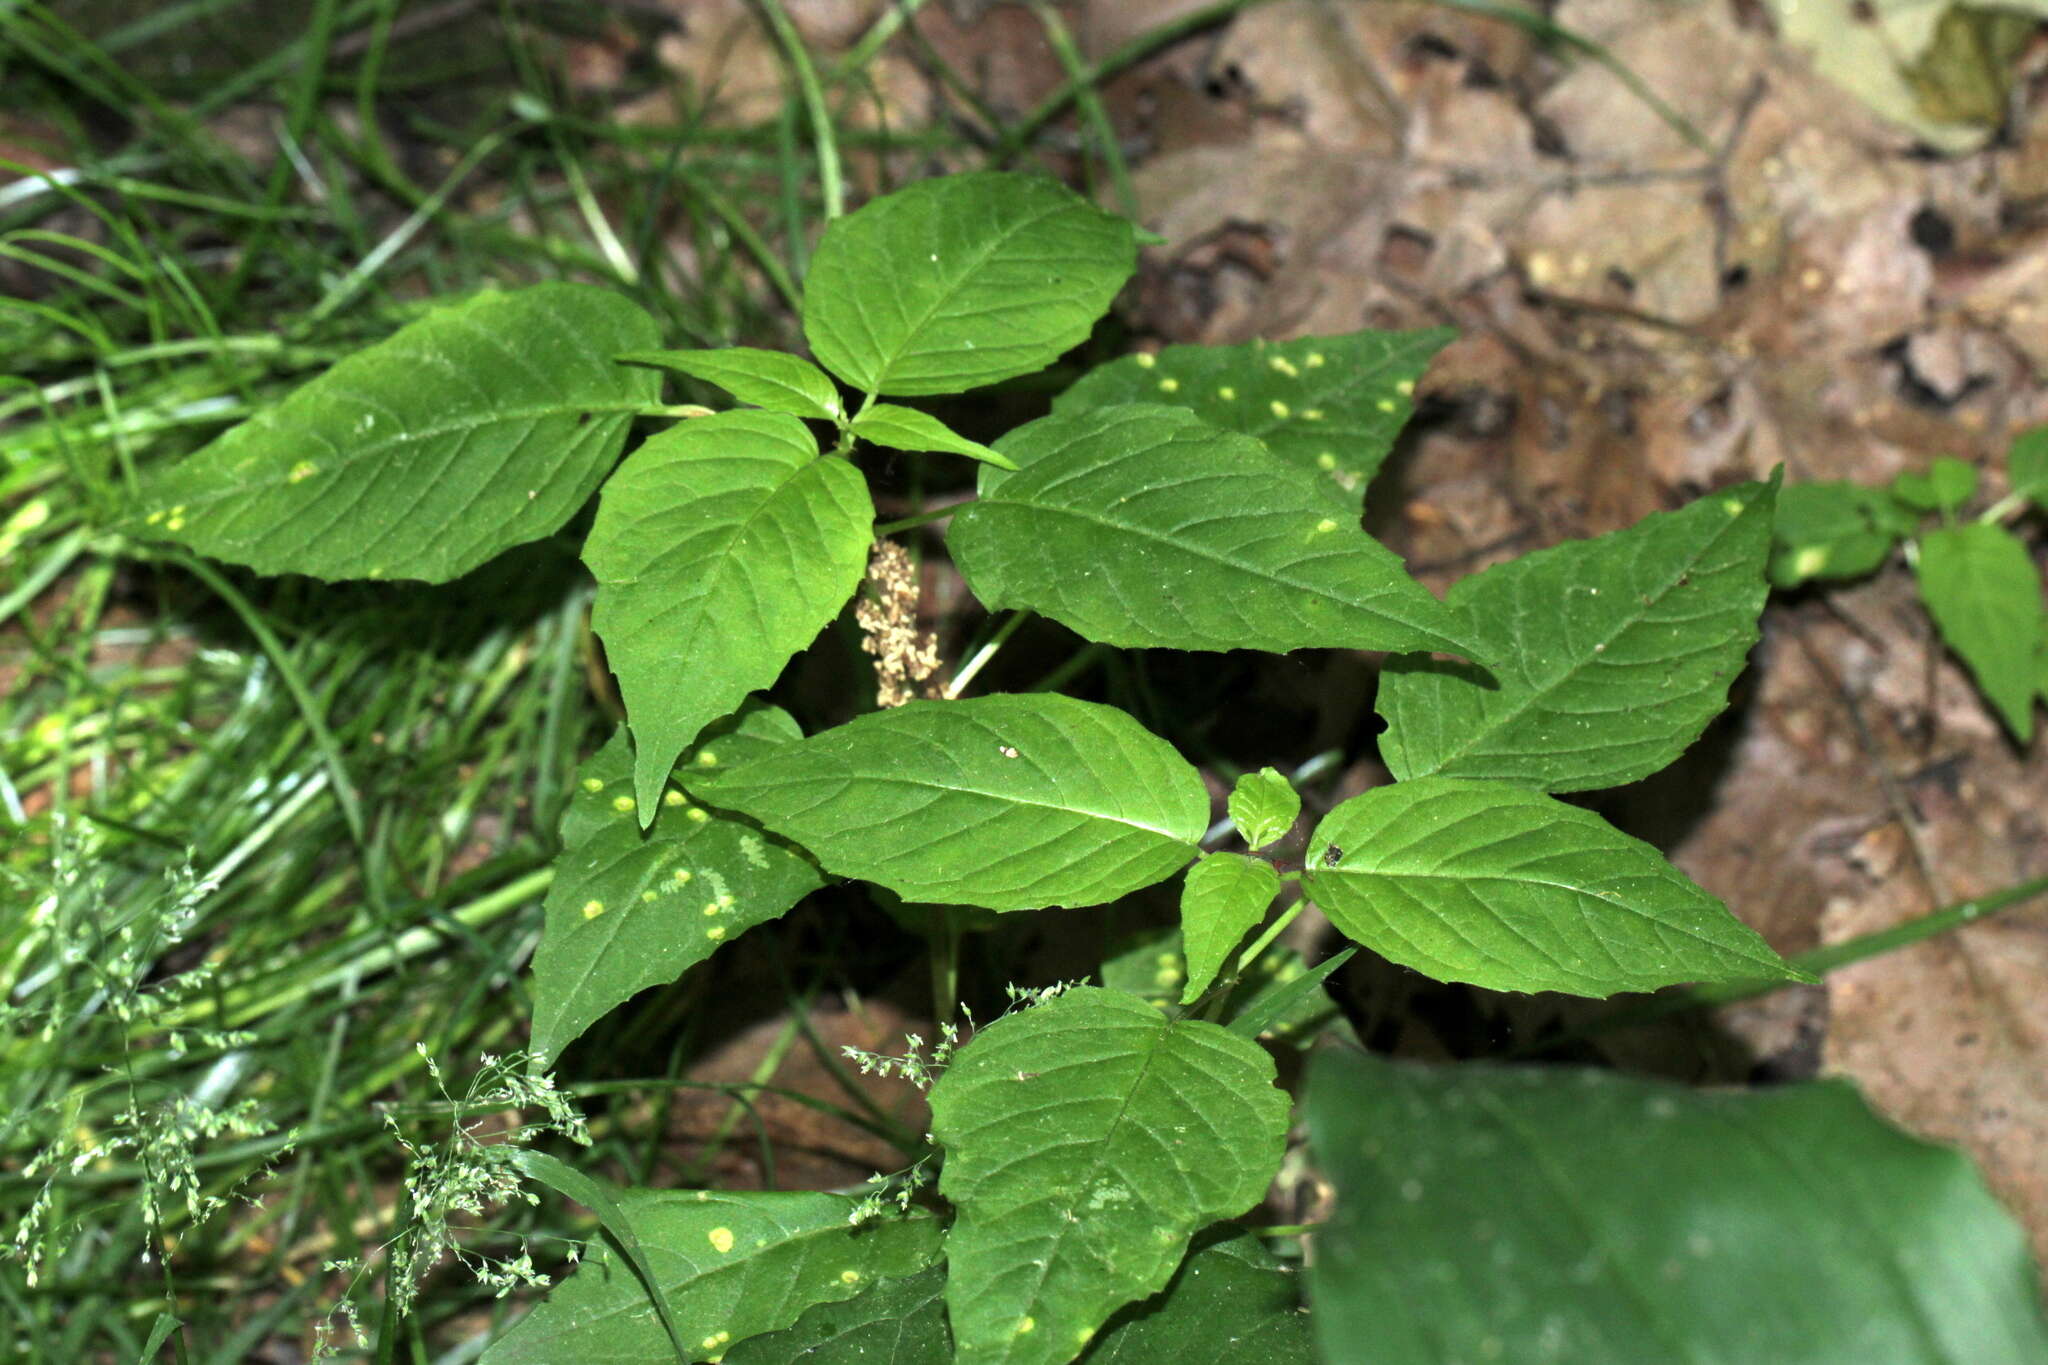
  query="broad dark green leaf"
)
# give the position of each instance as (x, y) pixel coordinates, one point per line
(1516, 891)
(1833, 530)
(1224, 895)
(1609, 656)
(1005, 802)
(1945, 487)
(599, 1197)
(1263, 807)
(1585, 1218)
(732, 1266)
(1086, 1140)
(481, 426)
(960, 281)
(721, 547)
(1330, 405)
(1984, 593)
(901, 428)
(630, 908)
(895, 1322)
(1230, 1303)
(1145, 526)
(2026, 465)
(767, 379)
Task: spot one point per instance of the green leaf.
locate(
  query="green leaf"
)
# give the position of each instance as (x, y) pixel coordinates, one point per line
(901, 428)
(767, 379)
(1330, 405)
(631, 909)
(960, 281)
(1516, 891)
(1291, 1000)
(1230, 1302)
(1946, 486)
(483, 425)
(731, 1266)
(1086, 1139)
(1263, 807)
(896, 1322)
(1546, 1214)
(1611, 655)
(1224, 896)
(721, 548)
(596, 1196)
(1833, 530)
(1145, 526)
(2026, 465)
(1984, 594)
(1005, 802)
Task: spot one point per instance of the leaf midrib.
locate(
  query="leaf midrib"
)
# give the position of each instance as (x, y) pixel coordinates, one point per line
(1004, 797)
(1224, 561)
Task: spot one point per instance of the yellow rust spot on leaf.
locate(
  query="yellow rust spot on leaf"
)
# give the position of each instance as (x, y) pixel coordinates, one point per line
(1280, 409)
(1284, 366)
(1146, 360)
(623, 804)
(592, 909)
(303, 470)
(707, 759)
(1226, 393)
(720, 1239)
(699, 814)
(715, 933)
(1325, 526)
(673, 797)
(1169, 385)
(593, 784)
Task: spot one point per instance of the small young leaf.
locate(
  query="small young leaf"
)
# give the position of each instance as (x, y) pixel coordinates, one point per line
(632, 909)
(1224, 896)
(721, 548)
(1984, 594)
(2026, 465)
(1516, 891)
(1330, 405)
(1613, 653)
(732, 1266)
(1005, 802)
(1086, 1139)
(767, 379)
(1946, 486)
(901, 428)
(960, 281)
(483, 425)
(1833, 530)
(1145, 526)
(1551, 1214)
(1263, 807)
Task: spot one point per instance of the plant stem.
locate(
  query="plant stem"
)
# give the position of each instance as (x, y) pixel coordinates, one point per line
(945, 954)
(924, 518)
(830, 183)
(985, 653)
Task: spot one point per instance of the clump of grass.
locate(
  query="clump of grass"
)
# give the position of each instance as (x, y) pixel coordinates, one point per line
(271, 852)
